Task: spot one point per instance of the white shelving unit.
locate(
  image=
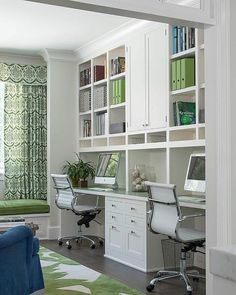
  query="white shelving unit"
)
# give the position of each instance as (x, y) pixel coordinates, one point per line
(160, 142)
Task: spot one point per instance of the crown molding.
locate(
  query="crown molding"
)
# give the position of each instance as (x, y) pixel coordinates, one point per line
(59, 55)
(21, 58)
(110, 39)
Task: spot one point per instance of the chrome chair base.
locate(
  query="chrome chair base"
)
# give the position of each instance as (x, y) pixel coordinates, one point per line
(79, 238)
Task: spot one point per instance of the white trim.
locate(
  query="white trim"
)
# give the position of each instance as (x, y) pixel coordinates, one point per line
(21, 59)
(59, 55)
(149, 10)
(54, 232)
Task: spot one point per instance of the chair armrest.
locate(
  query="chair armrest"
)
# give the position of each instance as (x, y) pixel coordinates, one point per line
(14, 235)
(191, 216)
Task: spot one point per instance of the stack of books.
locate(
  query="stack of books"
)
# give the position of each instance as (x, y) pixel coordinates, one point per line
(117, 65)
(99, 73)
(184, 113)
(85, 101)
(85, 77)
(183, 38)
(101, 123)
(118, 91)
(100, 97)
(87, 128)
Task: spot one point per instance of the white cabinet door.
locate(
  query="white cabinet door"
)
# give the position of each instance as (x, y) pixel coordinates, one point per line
(134, 243)
(136, 83)
(114, 237)
(156, 78)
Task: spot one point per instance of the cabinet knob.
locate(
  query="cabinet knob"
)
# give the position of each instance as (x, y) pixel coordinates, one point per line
(112, 205)
(113, 217)
(132, 221)
(113, 227)
(132, 232)
(143, 125)
(132, 208)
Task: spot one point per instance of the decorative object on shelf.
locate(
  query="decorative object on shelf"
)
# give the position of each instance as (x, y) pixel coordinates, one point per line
(184, 113)
(117, 65)
(138, 180)
(79, 171)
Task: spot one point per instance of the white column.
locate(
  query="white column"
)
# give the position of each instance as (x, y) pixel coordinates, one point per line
(62, 126)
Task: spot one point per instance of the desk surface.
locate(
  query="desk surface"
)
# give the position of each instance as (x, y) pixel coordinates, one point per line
(140, 196)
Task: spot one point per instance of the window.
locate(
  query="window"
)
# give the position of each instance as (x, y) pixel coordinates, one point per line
(2, 88)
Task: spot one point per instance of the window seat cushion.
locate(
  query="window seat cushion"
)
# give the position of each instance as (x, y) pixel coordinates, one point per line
(15, 207)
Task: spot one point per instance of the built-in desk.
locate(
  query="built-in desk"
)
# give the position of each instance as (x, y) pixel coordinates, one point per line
(127, 238)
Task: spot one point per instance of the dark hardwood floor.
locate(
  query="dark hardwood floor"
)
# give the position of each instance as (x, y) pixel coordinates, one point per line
(133, 278)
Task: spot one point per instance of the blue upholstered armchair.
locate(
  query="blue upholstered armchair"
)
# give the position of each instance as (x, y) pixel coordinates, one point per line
(20, 269)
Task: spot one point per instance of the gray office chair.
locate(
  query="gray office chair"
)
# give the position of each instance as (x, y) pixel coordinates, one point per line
(165, 218)
(67, 199)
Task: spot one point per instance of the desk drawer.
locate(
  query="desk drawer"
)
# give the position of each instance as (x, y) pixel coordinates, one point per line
(134, 221)
(114, 218)
(135, 209)
(114, 206)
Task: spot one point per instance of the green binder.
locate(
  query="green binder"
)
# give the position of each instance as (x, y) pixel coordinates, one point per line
(173, 75)
(121, 91)
(113, 92)
(187, 72)
(178, 74)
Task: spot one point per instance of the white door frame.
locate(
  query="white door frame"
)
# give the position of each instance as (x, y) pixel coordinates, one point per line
(220, 97)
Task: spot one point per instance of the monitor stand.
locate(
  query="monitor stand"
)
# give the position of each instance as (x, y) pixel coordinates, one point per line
(115, 186)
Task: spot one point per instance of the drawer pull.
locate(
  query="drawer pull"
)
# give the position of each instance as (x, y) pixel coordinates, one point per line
(132, 208)
(113, 227)
(132, 221)
(112, 205)
(113, 217)
(132, 232)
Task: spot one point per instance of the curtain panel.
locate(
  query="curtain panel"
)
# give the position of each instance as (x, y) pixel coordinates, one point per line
(25, 131)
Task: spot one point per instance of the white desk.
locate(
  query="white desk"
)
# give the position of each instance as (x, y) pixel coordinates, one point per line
(127, 237)
(135, 196)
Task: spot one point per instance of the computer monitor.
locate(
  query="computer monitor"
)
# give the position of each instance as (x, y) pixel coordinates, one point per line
(195, 177)
(107, 168)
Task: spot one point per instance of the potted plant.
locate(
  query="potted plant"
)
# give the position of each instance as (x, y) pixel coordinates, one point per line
(85, 170)
(79, 171)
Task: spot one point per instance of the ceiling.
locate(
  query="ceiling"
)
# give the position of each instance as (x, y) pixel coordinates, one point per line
(27, 27)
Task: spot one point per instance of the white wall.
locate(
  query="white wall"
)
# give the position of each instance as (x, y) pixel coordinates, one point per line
(62, 126)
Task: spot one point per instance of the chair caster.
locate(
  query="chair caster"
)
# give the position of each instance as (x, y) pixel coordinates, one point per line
(101, 242)
(69, 246)
(150, 287)
(93, 246)
(60, 243)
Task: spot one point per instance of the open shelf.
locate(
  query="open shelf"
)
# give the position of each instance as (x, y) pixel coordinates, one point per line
(101, 82)
(119, 105)
(186, 53)
(118, 76)
(188, 90)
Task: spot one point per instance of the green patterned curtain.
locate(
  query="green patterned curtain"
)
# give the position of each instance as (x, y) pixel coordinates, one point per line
(25, 131)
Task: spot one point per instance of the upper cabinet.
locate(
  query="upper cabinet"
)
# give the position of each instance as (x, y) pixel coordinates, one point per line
(147, 80)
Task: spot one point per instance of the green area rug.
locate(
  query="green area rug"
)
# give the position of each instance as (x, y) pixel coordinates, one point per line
(64, 276)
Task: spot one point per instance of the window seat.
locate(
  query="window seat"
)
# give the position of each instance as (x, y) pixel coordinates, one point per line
(16, 207)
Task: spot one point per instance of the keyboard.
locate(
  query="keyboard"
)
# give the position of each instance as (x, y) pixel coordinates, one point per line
(101, 189)
(190, 199)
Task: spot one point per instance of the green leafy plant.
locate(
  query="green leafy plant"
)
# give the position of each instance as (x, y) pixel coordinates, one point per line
(79, 170)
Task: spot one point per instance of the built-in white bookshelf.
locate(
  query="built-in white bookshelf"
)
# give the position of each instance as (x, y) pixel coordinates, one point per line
(152, 148)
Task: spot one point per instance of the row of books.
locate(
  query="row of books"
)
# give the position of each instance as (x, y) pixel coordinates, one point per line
(100, 97)
(101, 123)
(85, 100)
(183, 38)
(117, 65)
(87, 128)
(182, 73)
(184, 113)
(85, 77)
(118, 91)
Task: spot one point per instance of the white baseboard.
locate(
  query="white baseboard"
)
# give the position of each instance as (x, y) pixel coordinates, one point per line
(53, 232)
